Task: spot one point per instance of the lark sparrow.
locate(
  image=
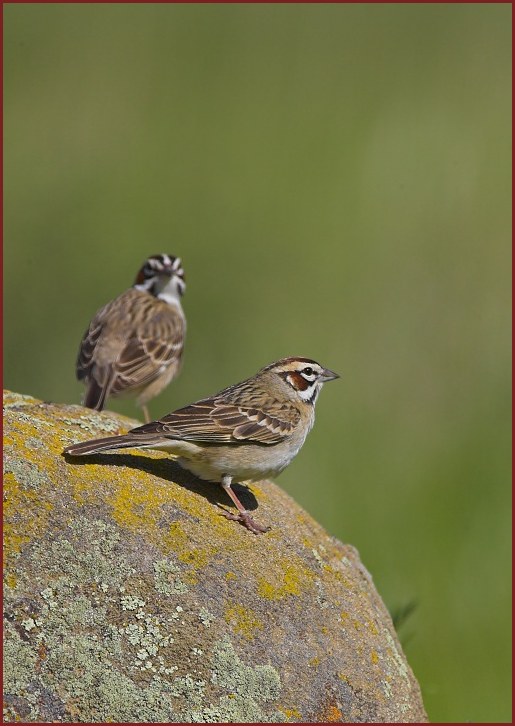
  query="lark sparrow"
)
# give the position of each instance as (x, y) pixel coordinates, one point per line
(134, 343)
(249, 431)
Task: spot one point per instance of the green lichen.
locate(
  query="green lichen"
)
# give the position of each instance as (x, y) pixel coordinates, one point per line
(190, 688)
(93, 423)
(261, 683)
(166, 579)
(33, 442)
(131, 602)
(25, 516)
(399, 662)
(206, 618)
(149, 637)
(80, 667)
(232, 709)
(250, 688)
(19, 665)
(68, 556)
(90, 684)
(387, 689)
(34, 421)
(17, 399)
(27, 474)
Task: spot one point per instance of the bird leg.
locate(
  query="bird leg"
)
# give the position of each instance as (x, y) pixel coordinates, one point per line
(243, 515)
(146, 414)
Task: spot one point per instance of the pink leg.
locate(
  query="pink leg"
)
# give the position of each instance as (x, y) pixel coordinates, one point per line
(243, 515)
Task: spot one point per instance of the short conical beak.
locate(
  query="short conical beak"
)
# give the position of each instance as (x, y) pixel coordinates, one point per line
(328, 375)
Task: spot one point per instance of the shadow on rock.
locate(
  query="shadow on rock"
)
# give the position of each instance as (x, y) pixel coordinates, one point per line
(171, 471)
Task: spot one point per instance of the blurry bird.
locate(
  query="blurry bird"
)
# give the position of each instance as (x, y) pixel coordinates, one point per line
(134, 343)
(249, 431)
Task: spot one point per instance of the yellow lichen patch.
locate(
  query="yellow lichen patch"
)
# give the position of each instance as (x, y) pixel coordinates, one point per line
(243, 621)
(291, 713)
(345, 581)
(141, 502)
(230, 576)
(308, 544)
(176, 538)
(305, 518)
(315, 530)
(135, 507)
(372, 627)
(135, 502)
(257, 490)
(289, 579)
(344, 677)
(138, 500)
(10, 580)
(332, 714)
(260, 494)
(374, 657)
(20, 433)
(25, 515)
(314, 662)
(196, 557)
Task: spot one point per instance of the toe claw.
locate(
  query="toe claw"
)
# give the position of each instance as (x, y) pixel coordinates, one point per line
(247, 521)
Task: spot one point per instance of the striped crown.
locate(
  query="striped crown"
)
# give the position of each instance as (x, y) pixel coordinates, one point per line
(161, 266)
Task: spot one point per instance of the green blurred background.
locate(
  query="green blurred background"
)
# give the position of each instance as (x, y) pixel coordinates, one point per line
(337, 181)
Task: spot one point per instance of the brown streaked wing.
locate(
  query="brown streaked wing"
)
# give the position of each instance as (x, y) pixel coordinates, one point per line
(214, 421)
(86, 351)
(157, 344)
(86, 362)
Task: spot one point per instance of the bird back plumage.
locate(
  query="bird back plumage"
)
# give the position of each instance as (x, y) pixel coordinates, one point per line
(129, 343)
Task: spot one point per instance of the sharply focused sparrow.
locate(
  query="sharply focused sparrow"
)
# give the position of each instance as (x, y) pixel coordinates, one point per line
(134, 343)
(249, 431)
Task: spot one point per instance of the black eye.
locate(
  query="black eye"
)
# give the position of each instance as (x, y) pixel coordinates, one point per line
(308, 371)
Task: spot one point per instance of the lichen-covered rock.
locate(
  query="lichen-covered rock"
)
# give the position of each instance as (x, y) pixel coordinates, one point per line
(129, 598)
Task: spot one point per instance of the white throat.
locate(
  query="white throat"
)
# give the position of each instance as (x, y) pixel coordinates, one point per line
(164, 288)
(310, 394)
(172, 297)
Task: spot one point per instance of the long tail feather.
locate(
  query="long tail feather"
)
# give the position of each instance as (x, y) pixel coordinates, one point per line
(97, 395)
(96, 445)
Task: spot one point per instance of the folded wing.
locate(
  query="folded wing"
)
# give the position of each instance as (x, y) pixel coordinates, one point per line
(218, 422)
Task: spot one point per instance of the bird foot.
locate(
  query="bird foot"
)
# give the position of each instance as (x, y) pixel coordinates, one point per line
(246, 520)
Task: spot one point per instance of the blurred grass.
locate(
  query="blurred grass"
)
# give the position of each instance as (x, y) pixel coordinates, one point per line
(337, 180)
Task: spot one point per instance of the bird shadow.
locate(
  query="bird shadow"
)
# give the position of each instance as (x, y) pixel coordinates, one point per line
(171, 471)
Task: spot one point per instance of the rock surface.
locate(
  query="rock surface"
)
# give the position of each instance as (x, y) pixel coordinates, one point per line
(129, 598)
